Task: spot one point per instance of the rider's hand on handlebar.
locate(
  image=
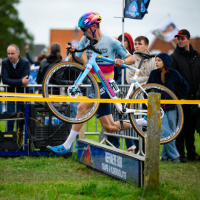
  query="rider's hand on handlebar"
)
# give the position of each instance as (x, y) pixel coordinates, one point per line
(70, 48)
(118, 62)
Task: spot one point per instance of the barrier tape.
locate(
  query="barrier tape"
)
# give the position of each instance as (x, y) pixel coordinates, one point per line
(61, 98)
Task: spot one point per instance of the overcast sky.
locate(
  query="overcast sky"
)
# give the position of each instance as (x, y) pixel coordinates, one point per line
(39, 16)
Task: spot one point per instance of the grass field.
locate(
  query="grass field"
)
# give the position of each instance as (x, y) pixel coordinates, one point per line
(42, 178)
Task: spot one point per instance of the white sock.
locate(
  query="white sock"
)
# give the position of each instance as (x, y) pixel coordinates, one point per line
(67, 144)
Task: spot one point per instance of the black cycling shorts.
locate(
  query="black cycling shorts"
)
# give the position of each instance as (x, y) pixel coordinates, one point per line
(104, 108)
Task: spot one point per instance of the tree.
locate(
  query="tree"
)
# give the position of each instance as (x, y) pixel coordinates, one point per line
(12, 30)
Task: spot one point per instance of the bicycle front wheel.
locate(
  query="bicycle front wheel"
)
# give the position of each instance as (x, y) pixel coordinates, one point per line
(167, 94)
(59, 83)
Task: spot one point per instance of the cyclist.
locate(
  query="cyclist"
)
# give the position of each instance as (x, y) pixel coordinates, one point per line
(90, 23)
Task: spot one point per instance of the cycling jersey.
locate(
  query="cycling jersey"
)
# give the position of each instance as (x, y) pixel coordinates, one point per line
(108, 46)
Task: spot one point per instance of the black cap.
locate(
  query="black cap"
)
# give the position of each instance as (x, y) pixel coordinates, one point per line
(183, 33)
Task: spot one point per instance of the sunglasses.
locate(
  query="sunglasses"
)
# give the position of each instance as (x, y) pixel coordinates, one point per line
(84, 29)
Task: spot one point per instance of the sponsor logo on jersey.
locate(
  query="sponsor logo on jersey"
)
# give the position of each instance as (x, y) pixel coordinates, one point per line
(106, 83)
(103, 50)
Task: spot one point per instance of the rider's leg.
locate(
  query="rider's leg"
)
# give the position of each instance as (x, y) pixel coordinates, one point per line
(82, 109)
(111, 126)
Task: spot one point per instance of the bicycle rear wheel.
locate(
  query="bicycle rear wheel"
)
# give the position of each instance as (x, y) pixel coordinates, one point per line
(58, 83)
(165, 94)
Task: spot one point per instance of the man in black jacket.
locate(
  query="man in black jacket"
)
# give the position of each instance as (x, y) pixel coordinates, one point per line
(186, 60)
(15, 72)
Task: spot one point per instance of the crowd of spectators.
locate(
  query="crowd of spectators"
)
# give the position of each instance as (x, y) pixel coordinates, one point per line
(183, 66)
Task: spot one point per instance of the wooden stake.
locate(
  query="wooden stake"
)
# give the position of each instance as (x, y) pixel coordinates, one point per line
(152, 142)
(82, 132)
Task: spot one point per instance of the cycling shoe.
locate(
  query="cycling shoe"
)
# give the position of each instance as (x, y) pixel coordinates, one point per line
(59, 150)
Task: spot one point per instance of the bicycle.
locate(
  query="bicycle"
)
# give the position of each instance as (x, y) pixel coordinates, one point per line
(75, 80)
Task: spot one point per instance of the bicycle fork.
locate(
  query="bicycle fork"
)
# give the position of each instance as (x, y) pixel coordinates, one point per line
(81, 77)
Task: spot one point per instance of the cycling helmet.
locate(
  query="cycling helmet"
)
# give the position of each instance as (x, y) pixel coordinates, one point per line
(88, 19)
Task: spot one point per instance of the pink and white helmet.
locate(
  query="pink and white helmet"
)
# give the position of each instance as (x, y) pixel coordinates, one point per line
(88, 19)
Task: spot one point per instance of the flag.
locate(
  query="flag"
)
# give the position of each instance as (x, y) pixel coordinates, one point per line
(167, 31)
(136, 9)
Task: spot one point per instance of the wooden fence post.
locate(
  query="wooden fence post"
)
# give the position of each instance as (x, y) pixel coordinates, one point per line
(152, 142)
(82, 132)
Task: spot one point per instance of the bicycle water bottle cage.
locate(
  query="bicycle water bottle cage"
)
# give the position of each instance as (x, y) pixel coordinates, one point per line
(91, 46)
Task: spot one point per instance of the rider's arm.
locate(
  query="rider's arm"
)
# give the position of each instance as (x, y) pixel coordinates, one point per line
(82, 59)
(80, 56)
(119, 49)
(130, 59)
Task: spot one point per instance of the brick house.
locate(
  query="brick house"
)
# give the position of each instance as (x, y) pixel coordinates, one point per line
(158, 45)
(62, 37)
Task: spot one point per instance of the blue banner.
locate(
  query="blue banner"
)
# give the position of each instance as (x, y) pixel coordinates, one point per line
(32, 78)
(136, 9)
(119, 166)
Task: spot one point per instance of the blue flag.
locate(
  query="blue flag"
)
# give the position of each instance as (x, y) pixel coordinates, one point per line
(136, 9)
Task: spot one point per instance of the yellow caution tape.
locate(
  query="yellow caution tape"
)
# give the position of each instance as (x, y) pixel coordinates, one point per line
(63, 98)
(31, 99)
(33, 95)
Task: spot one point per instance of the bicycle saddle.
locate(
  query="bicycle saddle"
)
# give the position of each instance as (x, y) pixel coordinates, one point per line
(145, 55)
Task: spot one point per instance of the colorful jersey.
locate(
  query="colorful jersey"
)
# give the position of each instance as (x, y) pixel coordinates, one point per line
(108, 46)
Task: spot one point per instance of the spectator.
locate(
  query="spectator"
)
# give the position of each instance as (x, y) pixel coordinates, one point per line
(186, 60)
(196, 111)
(36, 65)
(141, 44)
(44, 52)
(34, 71)
(128, 45)
(49, 61)
(169, 78)
(15, 73)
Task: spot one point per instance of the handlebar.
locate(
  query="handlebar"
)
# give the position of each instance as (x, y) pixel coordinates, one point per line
(93, 41)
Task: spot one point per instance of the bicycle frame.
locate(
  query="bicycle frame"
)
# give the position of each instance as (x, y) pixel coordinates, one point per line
(92, 64)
